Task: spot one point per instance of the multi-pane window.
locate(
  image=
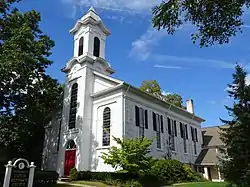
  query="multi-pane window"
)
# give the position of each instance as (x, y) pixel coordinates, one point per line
(194, 138)
(96, 51)
(172, 131)
(158, 127)
(80, 47)
(106, 127)
(184, 135)
(141, 120)
(73, 106)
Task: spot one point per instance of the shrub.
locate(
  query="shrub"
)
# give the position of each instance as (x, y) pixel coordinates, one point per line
(173, 171)
(132, 183)
(73, 175)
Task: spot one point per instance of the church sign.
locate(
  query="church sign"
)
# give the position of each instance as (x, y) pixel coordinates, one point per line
(19, 174)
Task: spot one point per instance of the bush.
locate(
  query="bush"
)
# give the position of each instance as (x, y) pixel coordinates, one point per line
(173, 171)
(73, 175)
(45, 178)
(133, 183)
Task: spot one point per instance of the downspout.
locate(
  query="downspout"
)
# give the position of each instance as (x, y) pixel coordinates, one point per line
(124, 111)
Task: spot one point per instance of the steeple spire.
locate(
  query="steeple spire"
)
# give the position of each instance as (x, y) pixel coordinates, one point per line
(91, 9)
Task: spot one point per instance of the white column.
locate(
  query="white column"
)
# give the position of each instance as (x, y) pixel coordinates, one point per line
(205, 175)
(31, 174)
(219, 173)
(7, 174)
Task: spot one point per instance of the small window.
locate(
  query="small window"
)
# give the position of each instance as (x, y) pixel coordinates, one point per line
(80, 47)
(73, 106)
(96, 51)
(106, 127)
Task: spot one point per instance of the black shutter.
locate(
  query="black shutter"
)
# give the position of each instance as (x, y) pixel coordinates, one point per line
(169, 126)
(192, 133)
(162, 130)
(146, 119)
(175, 128)
(196, 136)
(186, 130)
(137, 118)
(181, 129)
(154, 122)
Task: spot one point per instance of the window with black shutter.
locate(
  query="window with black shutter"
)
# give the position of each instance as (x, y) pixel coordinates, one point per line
(73, 106)
(137, 117)
(106, 127)
(146, 119)
(196, 135)
(186, 130)
(162, 127)
(181, 129)
(175, 128)
(154, 122)
(169, 126)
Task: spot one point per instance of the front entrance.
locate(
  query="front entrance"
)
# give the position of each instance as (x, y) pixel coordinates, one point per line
(70, 157)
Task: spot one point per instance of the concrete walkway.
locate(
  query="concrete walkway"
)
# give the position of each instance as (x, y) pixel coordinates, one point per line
(71, 184)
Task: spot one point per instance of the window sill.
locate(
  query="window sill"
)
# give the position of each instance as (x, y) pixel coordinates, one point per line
(103, 148)
(185, 153)
(160, 150)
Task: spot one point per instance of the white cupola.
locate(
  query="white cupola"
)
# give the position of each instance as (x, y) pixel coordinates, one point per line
(90, 36)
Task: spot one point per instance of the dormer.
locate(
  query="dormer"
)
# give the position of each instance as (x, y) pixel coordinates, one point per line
(90, 36)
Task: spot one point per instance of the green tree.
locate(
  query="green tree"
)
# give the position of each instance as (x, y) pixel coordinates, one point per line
(215, 21)
(174, 99)
(130, 155)
(236, 161)
(153, 87)
(27, 94)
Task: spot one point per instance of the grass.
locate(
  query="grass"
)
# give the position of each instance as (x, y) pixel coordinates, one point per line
(202, 184)
(91, 183)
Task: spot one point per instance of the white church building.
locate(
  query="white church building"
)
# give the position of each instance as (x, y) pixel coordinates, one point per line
(97, 106)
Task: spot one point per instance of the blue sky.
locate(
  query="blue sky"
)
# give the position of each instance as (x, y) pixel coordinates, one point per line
(138, 52)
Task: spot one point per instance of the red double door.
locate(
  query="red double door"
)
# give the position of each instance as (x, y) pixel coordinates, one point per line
(70, 161)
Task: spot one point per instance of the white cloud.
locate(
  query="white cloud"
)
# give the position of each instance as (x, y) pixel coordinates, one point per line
(133, 6)
(169, 67)
(142, 47)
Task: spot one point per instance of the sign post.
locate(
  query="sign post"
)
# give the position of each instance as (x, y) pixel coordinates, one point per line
(19, 174)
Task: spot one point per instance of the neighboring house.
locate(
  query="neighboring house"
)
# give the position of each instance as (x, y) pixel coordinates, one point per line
(208, 159)
(97, 106)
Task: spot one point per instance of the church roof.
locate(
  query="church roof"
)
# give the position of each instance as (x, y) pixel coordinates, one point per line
(90, 18)
(130, 88)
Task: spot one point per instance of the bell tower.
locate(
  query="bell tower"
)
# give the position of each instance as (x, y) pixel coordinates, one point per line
(90, 36)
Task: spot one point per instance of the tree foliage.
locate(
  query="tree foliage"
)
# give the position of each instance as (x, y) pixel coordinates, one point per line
(130, 155)
(236, 162)
(27, 94)
(153, 87)
(216, 21)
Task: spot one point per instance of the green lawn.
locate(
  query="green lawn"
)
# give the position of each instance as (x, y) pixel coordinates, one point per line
(202, 184)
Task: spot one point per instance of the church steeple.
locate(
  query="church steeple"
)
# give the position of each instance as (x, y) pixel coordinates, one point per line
(90, 36)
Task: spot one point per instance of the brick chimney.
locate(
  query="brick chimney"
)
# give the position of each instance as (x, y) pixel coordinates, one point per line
(190, 106)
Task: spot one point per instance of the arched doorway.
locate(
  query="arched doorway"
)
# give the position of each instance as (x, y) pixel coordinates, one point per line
(70, 157)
